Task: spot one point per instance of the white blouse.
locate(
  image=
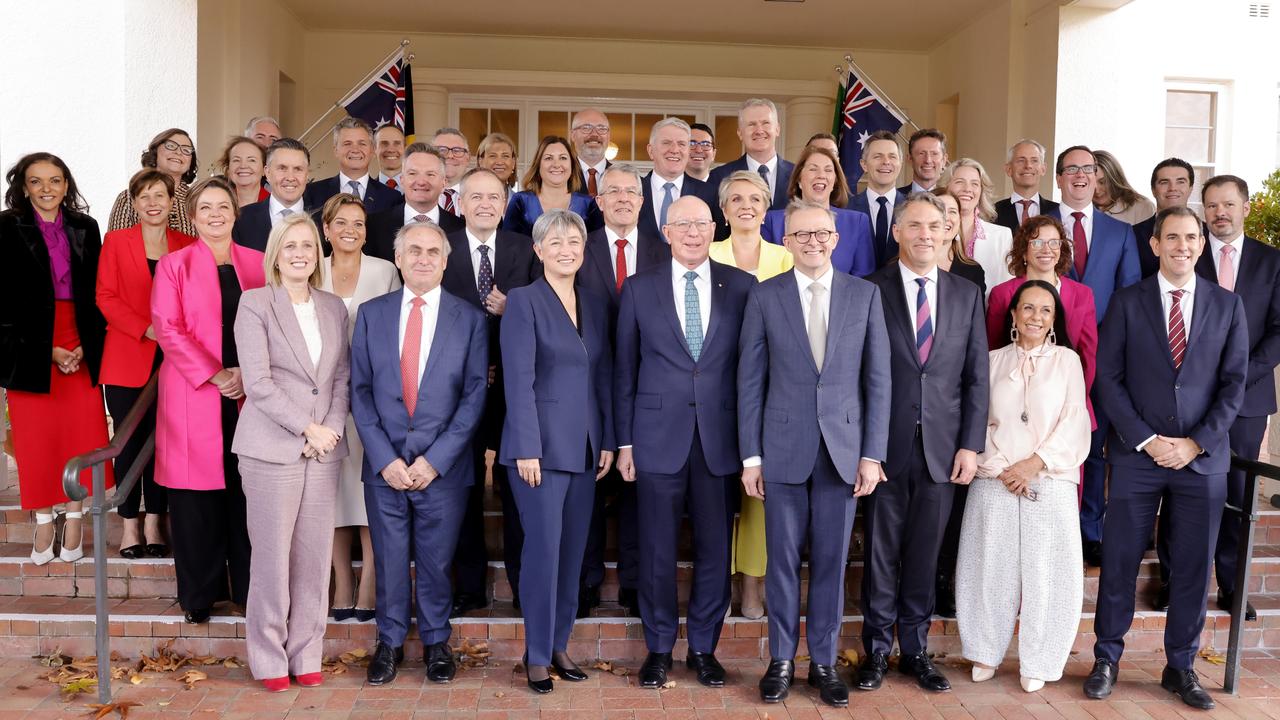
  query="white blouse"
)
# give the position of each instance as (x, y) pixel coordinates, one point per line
(309, 322)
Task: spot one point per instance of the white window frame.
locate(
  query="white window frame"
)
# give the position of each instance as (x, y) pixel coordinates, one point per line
(1222, 122)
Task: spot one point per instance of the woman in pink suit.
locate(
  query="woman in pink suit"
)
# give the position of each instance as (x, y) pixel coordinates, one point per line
(193, 307)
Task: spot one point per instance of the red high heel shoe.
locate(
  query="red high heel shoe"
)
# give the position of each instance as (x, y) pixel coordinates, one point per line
(275, 685)
(312, 679)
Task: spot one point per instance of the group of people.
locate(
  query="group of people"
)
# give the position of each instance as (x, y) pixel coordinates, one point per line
(757, 345)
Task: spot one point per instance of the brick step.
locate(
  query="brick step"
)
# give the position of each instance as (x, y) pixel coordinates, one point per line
(30, 626)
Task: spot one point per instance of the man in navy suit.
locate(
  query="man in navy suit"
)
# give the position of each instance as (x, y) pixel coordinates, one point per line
(390, 147)
(668, 148)
(417, 405)
(1173, 358)
(675, 399)
(1105, 257)
(1251, 270)
(1171, 182)
(758, 130)
(589, 133)
(288, 163)
(1025, 167)
(487, 263)
(927, 151)
(422, 177)
(353, 149)
(813, 389)
(881, 163)
(937, 427)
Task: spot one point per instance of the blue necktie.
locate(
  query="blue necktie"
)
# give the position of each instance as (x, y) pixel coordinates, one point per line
(882, 229)
(355, 188)
(692, 316)
(666, 204)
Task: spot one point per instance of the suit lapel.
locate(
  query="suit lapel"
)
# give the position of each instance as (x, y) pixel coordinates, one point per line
(137, 254)
(718, 300)
(1201, 305)
(390, 324)
(839, 306)
(444, 330)
(667, 307)
(600, 262)
(1153, 305)
(794, 313)
(895, 300)
(466, 269)
(282, 307)
(35, 241)
(1205, 267)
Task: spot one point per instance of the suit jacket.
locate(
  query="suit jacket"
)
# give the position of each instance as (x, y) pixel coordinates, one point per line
(597, 272)
(380, 236)
(786, 403)
(124, 296)
(186, 315)
(854, 254)
(785, 168)
(948, 394)
(284, 391)
(26, 298)
(1142, 393)
(377, 197)
(559, 380)
(1007, 215)
(661, 394)
(253, 227)
(1258, 285)
(450, 392)
(514, 265)
(1113, 258)
(888, 251)
(689, 186)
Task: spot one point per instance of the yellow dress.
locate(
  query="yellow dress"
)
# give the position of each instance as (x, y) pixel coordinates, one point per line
(749, 557)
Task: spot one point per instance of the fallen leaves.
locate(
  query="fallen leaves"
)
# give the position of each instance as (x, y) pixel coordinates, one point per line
(120, 708)
(80, 685)
(472, 655)
(191, 677)
(611, 668)
(847, 658)
(668, 685)
(344, 662)
(1211, 655)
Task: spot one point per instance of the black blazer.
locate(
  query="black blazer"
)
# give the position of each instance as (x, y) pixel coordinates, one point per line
(973, 273)
(785, 168)
(1258, 285)
(1007, 214)
(253, 227)
(596, 273)
(887, 252)
(27, 304)
(381, 229)
(377, 197)
(690, 186)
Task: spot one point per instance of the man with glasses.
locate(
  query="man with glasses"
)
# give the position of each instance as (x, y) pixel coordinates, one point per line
(1105, 257)
(668, 148)
(813, 390)
(702, 152)
(589, 133)
(353, 149)
(453, 147)
(1025, 167)
(681, 452)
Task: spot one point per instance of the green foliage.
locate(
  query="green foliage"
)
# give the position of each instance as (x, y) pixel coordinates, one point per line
(1263, 221)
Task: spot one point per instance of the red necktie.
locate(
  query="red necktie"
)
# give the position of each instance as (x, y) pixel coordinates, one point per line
(591, 182)
(409, 355)
(391, 183)
(1079, 244)
(1177, 329)
(620, 265)
(1026, 208)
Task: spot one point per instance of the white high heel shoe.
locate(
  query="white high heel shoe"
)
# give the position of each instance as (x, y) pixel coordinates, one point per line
(66, 554)
(983, 674)
(43, 557)
(1031, 684)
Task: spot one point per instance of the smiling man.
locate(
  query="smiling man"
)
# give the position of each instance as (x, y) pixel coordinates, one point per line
(1172, 180)
(389, 140)
(668, 148)
(881, 163)
(758, 129)
(288, 164)
(422, 176)
(589, 133)
(702, 152)
(353, 149)
(927, 151)
(456, 151)
(1025, 167)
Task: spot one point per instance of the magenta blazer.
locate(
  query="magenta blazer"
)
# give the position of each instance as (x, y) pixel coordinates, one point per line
(186, 312)
(1082, 324)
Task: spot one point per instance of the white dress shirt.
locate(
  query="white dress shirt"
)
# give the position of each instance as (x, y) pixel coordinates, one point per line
(1216, 245)
(410, 214)
(1069, 222)
(430, 312)
(309, 322)
(275, 207)
(754, 167)
(474, 244)
(629, 252)
(1032, 210)
(911, 288)
(806, 298)
(873, 205)
(344, 184)
(656, 183)
(1166, 302)
(457, 198)
(702, 284)
(917, 188)
(586, 175)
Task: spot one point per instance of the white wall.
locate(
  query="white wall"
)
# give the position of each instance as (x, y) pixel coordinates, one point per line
(115, 73)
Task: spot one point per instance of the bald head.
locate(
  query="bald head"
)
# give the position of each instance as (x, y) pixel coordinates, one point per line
(589, 132)
(689, 229)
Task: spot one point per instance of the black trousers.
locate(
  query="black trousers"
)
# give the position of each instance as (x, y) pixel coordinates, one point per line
(950, 550)
(120, 401)
(623, 506)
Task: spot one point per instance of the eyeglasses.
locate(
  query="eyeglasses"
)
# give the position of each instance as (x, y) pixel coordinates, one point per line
(1077, 169)
(701, 145)
(804, 237)
(591, 129)
(1039, 244)
(617, 191)
(172, 146)
(455, 152)
(684, 225)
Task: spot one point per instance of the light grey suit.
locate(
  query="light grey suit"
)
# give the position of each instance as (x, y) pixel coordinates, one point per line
(289, 498)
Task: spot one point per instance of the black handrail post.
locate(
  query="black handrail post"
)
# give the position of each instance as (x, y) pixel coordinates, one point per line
(102, 641)
(1247, 517)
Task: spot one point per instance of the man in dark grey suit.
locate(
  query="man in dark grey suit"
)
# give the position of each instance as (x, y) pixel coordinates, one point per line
(938, 425)
(813, 389)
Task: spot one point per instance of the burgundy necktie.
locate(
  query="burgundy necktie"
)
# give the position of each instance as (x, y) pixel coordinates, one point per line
(620, 265)
(391, 183)
(591, 182)
(1177, 329)
(1079, 244)
(449, 206)
(1026, 208)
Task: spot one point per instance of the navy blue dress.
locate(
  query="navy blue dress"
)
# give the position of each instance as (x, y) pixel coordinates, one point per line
(525, 209)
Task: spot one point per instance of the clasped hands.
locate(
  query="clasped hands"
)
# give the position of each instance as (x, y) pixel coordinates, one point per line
(1018, 476)
(403, 476)
(1172, 453)
(321, 441)
(229, 383)
(68, 361)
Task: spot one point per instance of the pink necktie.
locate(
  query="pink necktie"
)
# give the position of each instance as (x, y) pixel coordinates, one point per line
(1227, 269)
(410, 353)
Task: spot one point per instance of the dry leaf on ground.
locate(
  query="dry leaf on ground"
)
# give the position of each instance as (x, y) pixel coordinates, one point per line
(668, 684)
(1209, 654)
(191, 677)
(83, 685)
(120, 708)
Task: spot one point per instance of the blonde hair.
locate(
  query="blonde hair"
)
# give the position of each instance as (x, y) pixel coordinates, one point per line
(276, 239)
(986, 207)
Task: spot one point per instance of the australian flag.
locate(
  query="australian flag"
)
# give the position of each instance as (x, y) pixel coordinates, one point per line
(860, 113)
(388, 97)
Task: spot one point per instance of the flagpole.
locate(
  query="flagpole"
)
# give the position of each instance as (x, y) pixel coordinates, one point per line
(342, 101)
(312, 146)
(884, 97)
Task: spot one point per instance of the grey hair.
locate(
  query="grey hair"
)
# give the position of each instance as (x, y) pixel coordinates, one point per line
(757, 102)
(927, 198)
(1008, 158)
(351, 123)
(748, 177)
(669, 122)
(466, 178)
(796, 205)
(627, 169)
(557, 221)
(452, 131)
(248, 128)
(403, 232)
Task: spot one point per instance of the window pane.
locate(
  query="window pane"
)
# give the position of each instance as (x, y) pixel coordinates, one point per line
(508, 123)
(474, 124)
(1189, 144)
(553, 122)
(1189, 108)
(620, 133)
(688, 118)
(728, 146)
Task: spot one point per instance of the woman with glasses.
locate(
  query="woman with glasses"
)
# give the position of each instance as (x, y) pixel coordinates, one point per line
(551, 183)
(1112, 193)
(818, 179)
(172, 153)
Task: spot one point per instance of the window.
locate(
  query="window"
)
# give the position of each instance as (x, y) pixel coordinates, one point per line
(477, 122)
(1192, 119)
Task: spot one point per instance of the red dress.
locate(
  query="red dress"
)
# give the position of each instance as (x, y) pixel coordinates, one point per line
(50, 429)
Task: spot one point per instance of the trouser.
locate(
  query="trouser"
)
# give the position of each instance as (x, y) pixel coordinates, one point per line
(120, 400)
(623, 506)
(1093, 500)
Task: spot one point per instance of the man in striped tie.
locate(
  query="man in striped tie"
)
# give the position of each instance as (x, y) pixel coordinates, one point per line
(1173, 355)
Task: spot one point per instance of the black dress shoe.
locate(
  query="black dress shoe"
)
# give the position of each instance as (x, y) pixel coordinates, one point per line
(920, 667)
(1186, 685)
(944, 604)
(653, 671)
(629, 599)
(1101, 679)
(439, 661)
(382, 666)
(365, 614)
(157, 550)
(709, 670)
(567, 670)
(776, 683)
(872, 671)
(341, 614)
(1093, 553)
(464, 603)
(1161, 602)
(542, 687)
(831, 688)
(197, 617)
(133, 552)
(1225, 601)
(588, 599)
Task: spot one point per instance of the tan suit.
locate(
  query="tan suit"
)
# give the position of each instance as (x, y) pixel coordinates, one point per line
(289, 498)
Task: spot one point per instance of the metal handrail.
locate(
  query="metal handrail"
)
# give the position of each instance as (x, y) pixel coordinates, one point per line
(1247, 516)
(101, 505)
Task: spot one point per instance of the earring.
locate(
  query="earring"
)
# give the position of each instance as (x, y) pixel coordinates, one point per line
(1013, 334)
(1053, 337)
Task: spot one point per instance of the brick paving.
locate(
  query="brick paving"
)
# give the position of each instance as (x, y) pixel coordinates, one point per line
(498, 692)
